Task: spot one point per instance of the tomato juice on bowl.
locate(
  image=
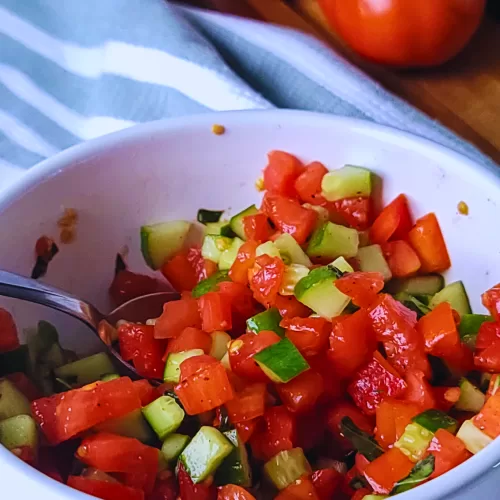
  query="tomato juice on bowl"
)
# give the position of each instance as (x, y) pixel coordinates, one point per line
(154, 173)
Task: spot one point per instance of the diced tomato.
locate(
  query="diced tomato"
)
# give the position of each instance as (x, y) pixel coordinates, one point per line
(488, 360)
(333, 385)
(141, 480)
(347, 490)
(301, 489)
(301, 394)
(233, 492)
(146, 392)
(419, 391)
(65, 415)
(374, 382)
(257, 227)
(195, 364)
(190, 491)
(361, 494)
(311, 428)
(24, 385)
(127, 285)
(180, 272)
(385, 471)
(137, 342)
(242, 350)
(177, 315)
(326, 482)
(246, 429)
(446, 397)
(8, 332)
(488, 419)
(245, 260)
(460, 359)
(352, 343)
(309, 335)
(165, 489)
(493, 386)
(203, 268)
(361, 287)
(488, 334)
(247, 404)
(402, 259)
(105, 490)
(491, 300)
(439, 330)
(308, 183)
(265, 278)
(427, 240)
(275, 432)
(280, 173)
(289, 216)
(47, 463)
(242, 305)
(290, 307)
(394, 325)
(215, 312)
(356, 212)
(205, 389)
(448, 450)
(393, 222)
(190, 338)
(392, 418)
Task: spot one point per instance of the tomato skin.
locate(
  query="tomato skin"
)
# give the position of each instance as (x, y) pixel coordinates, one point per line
(233, 492)
(145, 391)
(190, 338)
(165, 489)
(245, 260)
(392, 417)
(280, 173)
(265, 279)
(257, 227)
(355, 212)
(448, 450)
(301, 394)
(8, 332)
(246, 429)
(309, 335)
(393, 222)
(419, 391)
(241, 302)
(215, 312)
(194, 365)
(326, 482)
(177, 315)
(290, 307)
(104, 490)
(301, 489)
(361, 287)
(308, 183)
(487, 419)
(127, 285)
(487, 356)
(427, 33)
(190, 491)
(402, 259)
(488, 334)
(247, 404)
(491, 300)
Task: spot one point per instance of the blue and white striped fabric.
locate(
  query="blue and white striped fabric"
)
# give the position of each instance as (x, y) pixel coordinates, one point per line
(71, 70)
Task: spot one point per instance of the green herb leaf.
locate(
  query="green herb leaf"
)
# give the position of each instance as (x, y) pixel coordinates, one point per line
(209, 284)
(362, 441)
(422, 470)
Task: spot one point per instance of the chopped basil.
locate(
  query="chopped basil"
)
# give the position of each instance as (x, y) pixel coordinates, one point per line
(362, 441)
(205, 216)
(422, 470)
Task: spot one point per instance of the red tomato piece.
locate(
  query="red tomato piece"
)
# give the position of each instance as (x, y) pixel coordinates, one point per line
(257, 227)
(8, 332)
(352, 343)
(419, 391)
(215, 312)
(308, 183)
(246, 429)
(245, 260)
(392, 418)
(65, 415)
(488, 359)
(127, 285)
(247, 404)
(309, 335)
(180, 272)
(311, 428)
(373, 383)
(137, 342)
(194, 365)
(265, 279)
(448, 450)
(240, 299)
(356, 212)
(488, 334)
(301, 489)
(280, 173)
(393, 222)
(326, 482)
(427, 240)
(177, 315)
(487, 420)
(301, 394)
(491, 300)
(402, 259)
(24, 385)
(290, 217)
(104, 490)
(361, 493)
(165, 489)
(446, 397)
(203, 268)
(190, 491)
(190, 338)
(361, 287)
(145, 391)
(290, 307)
(460, 359)
(233, 492)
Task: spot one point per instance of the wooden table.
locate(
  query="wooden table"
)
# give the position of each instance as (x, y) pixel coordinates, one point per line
(464, 94)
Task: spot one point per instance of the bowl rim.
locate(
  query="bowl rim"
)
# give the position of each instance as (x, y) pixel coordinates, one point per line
(446, 484)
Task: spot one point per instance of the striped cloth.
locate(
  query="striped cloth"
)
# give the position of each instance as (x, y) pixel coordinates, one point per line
(71, 70)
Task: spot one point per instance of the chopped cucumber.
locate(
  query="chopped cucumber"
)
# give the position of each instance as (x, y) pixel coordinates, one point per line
(131, 425)
(292, 275)
(418, 474)
(281, 362)
(371, 260)
(432, 420)
(375, 497)
(109, 376)
(225, 362)
(221, 228)
(161, 241)
(206, 451)
(414, 441)
(266, 320)
(227, 257)
(346, 182)
(86, 370)
(213, 246)
(291, 251)
(412, 303)
(332, 240)
(12, 401)
(286, 467)
(471, 398)
(209, 284)
(318, 292)
(172, 371)
(323, 214)
(474, 439)
(220, 340)
(19, 431)
(235, 469)
(14, 361)
(418, 285)
(455, 295)
(204, 216)
(173, 446)
(268, 248)
(342, 265)
(236, 222)
(164, 416)
(470, 324)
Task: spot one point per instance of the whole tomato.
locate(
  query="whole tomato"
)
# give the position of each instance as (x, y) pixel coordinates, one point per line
(405, 33)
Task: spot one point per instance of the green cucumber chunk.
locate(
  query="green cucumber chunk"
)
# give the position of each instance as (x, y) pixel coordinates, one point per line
(433, 420)
(418, 285)
(221, 228)
(206, 451)
(86, 370)
(413, 304)
(471, 398)
(266, 320)
(418, 474)
(268, 248)
(235, 469)
(14, 361)
(346, 182)
(473, 438)
(19, 431)
(160, 242)
(371, 259)
(172, 371)
(213, 246)
(209, 284)
(455, 295)
(132, 425)
(12, 401)
(470, 323)
(281, 362)
(227, 257)
(414, 441)
(109, 376)
(286, 467)
(236, 222)
(164, 416)
(331, 240)
(291, 251)
(375, 497)
(341, 265)
(173, 446)
(220, 341)
(204, 216)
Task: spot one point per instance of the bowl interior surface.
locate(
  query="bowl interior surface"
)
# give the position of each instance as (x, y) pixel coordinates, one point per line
(169, 169)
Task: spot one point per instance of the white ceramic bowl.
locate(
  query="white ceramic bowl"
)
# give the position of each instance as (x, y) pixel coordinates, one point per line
(168, 169)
